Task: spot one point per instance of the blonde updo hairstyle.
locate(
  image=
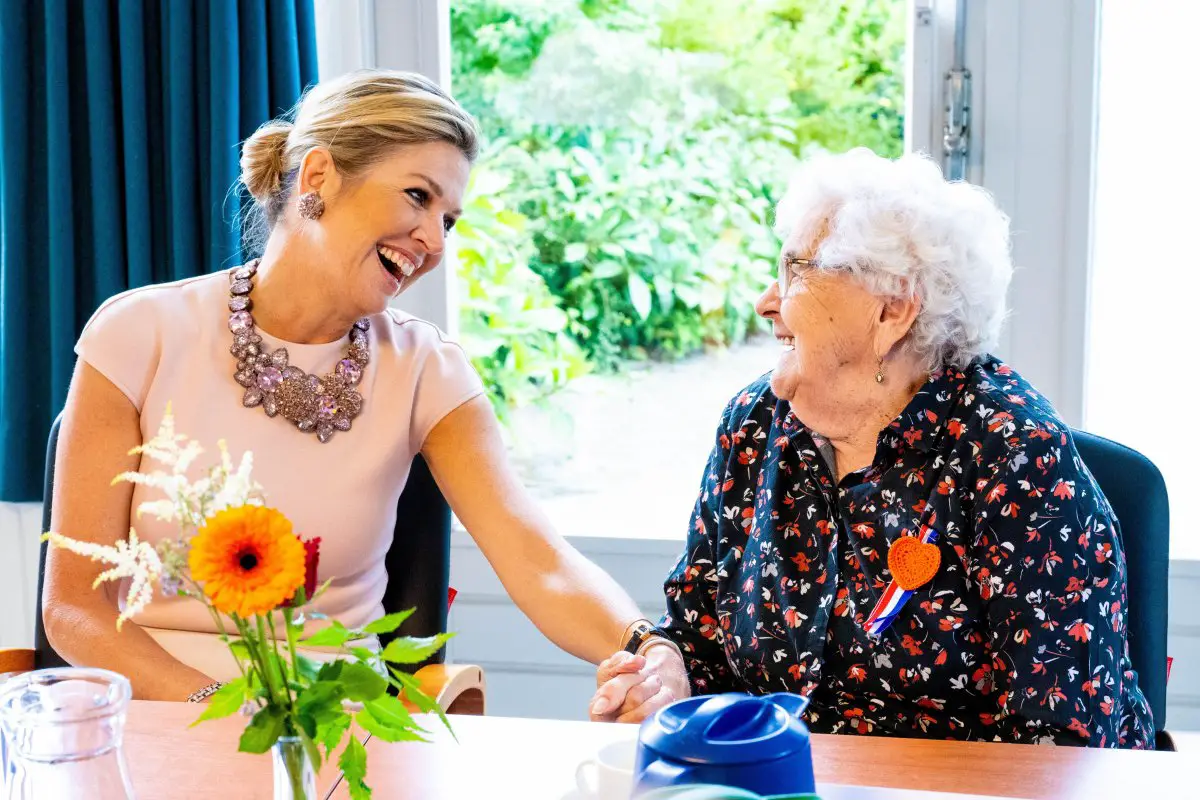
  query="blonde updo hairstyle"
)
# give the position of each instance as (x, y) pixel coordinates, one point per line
(360, 118)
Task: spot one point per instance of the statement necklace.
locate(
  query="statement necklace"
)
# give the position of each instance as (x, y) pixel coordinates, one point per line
(314, 405)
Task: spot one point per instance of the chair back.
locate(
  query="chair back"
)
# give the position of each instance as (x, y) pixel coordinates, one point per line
(417, 562)
(1138, 494)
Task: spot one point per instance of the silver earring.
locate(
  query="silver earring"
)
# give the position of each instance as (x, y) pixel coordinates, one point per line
(310, 205)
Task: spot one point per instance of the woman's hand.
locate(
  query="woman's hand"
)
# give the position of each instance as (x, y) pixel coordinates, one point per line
(631, 688)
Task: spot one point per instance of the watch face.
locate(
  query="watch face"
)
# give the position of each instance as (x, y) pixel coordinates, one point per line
(638, 636)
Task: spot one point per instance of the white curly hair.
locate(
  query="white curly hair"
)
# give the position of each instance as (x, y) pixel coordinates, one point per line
(901, 229)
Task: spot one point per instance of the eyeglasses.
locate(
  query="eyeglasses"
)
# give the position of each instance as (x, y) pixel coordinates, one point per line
(791, 269)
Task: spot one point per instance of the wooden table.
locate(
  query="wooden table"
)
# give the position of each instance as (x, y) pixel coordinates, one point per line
(168, 760)
(536, 760)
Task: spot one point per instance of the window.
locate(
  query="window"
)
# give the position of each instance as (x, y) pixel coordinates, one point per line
(1145, 280)
(618, 229)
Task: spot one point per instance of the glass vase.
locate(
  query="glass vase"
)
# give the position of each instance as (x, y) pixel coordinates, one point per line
(62, 731)
(294, 775)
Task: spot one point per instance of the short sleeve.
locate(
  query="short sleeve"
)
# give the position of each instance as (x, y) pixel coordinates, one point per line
(444, 382)
(121, 341)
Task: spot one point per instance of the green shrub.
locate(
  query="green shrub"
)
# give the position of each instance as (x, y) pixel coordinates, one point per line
(634, 153)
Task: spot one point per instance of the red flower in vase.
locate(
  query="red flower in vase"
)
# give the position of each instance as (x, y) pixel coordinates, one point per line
(312, 557)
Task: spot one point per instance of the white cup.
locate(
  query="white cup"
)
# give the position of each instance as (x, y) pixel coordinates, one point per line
(608, 775)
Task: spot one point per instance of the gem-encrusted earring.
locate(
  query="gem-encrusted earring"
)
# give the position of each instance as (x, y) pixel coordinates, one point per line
(310, 205)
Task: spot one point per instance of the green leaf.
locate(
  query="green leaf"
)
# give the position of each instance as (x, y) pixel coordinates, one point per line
(307, 668)
(365, 655)
(374, 726)
(320, 699)
(225, 701)
(330, 670)
(388, 623)
(391, 712)
(239, 650)
(576, 251)
(361, 682)
(353, 762)
(263, 731)
(639, 295)
(331, 735)
(412, 691)
(414, 649)
(335, 635)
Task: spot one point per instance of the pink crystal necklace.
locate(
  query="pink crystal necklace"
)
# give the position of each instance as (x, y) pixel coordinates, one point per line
(314, 405)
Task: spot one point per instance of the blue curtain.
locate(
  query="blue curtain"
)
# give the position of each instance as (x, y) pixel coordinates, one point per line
(119, 129)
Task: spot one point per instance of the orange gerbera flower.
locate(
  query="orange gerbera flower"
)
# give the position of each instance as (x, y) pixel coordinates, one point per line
(248, 560)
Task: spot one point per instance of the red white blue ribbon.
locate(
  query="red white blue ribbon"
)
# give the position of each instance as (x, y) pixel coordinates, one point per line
(893, 598)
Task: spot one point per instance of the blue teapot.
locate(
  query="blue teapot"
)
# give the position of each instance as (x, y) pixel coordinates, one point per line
(755, 743)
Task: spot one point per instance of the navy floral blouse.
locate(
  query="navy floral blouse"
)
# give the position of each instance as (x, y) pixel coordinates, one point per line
(1019, 637)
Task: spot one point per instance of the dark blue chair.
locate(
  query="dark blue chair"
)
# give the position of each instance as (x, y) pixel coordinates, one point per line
(1138, 494)
(418, 567)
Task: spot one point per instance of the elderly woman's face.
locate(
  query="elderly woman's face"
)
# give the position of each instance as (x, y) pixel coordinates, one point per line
(388, 227)
(825, 321)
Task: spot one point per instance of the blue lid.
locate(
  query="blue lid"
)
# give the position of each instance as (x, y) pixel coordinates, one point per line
(729, 728)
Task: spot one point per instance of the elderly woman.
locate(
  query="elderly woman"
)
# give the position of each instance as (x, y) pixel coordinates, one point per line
(893, 522)
(358, 191)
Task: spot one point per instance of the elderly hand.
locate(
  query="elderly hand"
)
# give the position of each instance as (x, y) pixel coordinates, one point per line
(631, 688)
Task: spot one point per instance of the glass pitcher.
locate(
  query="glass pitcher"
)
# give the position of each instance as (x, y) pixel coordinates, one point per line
(60, 735)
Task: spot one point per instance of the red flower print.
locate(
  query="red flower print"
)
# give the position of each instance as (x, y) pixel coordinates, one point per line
(956, 428)
(801, 561)
(1064, 490)
(793, 618)
(747, 456)
(999, 421)
(857, 673)
(945, 485)
(708, 627)
(998, 491)
(864, 529)
(1080, 631)
(1103, 552)
(1078, 727)
(910, 644)
(796, 671)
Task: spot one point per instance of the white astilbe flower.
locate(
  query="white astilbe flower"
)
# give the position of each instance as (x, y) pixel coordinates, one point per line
(190, 503)
(130, 558)
(187, 503)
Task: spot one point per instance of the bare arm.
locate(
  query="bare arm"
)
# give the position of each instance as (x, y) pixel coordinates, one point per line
(99, 427)
(571, 600)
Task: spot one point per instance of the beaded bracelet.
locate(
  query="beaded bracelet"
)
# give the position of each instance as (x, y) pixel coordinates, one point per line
(200, 695)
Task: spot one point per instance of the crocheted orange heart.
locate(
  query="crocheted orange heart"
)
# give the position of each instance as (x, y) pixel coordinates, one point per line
(913, 563)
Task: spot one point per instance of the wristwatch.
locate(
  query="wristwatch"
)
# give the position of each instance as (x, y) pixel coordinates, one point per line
(638, 633)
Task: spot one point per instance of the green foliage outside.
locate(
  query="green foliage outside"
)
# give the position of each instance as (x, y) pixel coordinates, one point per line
(633, 151)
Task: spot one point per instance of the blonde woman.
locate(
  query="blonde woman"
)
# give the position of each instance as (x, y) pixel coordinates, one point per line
(358, 191)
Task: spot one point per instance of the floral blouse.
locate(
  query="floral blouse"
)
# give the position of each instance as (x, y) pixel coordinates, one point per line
(1021, 634)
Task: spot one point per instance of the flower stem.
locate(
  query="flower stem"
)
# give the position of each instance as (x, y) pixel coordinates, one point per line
(291, 640)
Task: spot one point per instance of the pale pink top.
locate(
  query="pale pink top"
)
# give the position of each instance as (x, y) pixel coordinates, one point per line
(169, 343)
